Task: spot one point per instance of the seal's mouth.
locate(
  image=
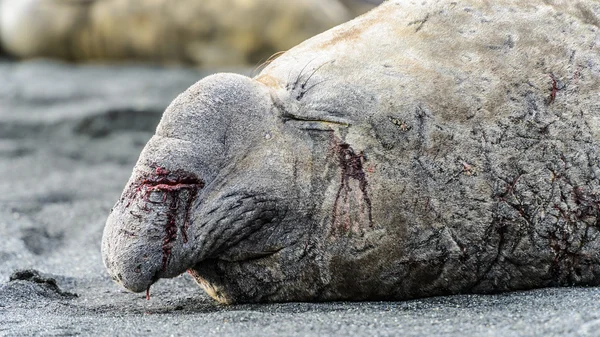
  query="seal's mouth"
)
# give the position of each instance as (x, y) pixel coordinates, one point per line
(175, 193)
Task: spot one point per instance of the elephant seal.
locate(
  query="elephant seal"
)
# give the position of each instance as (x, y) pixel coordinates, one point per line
(425, 148)
(208, 33)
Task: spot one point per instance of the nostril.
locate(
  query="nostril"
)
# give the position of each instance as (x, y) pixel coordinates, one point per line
(157, 196)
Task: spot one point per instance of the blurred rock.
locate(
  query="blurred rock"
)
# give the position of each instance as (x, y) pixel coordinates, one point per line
(202, 32)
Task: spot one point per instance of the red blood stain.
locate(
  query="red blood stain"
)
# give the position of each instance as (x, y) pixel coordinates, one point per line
(351, 165)
(176, 185)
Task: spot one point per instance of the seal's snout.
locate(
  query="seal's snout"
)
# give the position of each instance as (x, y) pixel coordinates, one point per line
(175, 193)
(146, 234)
(132, 263)
(150, 234)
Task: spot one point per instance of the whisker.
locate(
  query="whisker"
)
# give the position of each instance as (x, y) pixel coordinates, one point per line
(263, 65)
(300, 74)
(314, 85)
(314, 71)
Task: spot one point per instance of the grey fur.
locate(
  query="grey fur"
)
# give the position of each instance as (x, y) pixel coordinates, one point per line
(426, 148)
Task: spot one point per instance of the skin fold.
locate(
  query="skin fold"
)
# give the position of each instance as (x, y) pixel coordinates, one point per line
(425, 148)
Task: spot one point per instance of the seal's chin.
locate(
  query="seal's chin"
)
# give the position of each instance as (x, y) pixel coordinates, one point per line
(204, 273)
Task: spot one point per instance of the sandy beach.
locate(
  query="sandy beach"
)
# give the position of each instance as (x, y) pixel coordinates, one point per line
(69, 137)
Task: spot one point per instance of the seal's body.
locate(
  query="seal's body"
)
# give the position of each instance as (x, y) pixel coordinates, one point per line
(426, 148)
(207, 32)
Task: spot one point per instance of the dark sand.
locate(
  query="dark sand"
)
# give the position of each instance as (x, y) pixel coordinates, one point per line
(69, 137)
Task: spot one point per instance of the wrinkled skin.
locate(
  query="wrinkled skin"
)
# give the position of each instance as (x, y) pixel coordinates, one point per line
(425, 148)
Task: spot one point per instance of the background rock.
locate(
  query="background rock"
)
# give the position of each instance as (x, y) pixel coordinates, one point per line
(206, 33)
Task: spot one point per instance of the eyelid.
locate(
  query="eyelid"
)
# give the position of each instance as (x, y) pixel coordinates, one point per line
(315, 125)
(328, 120)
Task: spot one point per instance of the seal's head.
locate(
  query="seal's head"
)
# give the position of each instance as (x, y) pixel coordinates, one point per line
(206, 185)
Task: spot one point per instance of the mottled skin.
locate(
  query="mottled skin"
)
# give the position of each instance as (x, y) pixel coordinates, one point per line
(426, 148)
